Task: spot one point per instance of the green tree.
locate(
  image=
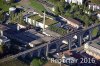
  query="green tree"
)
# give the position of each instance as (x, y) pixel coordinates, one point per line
(54, 1)
(60, 6)
(10, 1)
(1, 16)
(37, 62)
(1, 49)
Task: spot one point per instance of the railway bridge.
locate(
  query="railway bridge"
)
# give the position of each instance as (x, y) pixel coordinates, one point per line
(45, 49)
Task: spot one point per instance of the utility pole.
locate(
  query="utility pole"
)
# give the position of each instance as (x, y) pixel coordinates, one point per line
(43, 21)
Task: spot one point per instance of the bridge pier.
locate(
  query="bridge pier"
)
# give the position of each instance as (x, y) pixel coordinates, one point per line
(47, 50)
(98, 34)
(39, 52)
(58, 46)
(80, 37)
(69, 43)
(90, 34)
(31, 54)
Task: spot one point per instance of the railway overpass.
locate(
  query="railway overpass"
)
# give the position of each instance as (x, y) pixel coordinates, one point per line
(44, 49)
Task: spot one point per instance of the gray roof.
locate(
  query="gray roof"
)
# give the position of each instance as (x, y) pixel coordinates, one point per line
(74, 21)
(53, 34)
(96, 45)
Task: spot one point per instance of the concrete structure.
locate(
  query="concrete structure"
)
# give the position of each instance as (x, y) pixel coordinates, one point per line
(51, 33)
(12, 9)
(72, 22)
(93, 49)
(79, 2)
(29, 37)
(46, 48)
(38, 21)
(94, 6)
(98, 15)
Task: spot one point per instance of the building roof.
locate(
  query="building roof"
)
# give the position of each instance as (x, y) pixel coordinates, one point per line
(96, 44)
(51, 33)
(26, 37)
(74, 21)
(38, 18)
(2, 27)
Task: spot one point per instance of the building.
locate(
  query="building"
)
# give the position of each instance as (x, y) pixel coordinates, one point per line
(51, 33)
(79, 2)
(93, 49)
(26, 38)
(12, 10)
(73, 23)
(94, 6)
(37, 20)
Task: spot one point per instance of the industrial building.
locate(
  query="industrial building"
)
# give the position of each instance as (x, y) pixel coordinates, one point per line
(26, 38)
(93, 48)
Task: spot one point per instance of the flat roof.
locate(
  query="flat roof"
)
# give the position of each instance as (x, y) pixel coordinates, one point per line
(96, 43)
(28, 36)
(74, 21)
(38, 18)
(52, 33)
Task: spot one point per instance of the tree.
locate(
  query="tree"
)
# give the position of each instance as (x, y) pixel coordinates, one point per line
(10, 1)
(57, 12)
(95, 1)
(37, 62)
(60, 9)
(54, 1)
(1, 16)
(1, 49)
(67, 14)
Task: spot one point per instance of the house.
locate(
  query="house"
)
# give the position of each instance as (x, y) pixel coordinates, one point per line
(93, 49)
(94, 6)
(72, 22)
(37, 20)
(79, 2)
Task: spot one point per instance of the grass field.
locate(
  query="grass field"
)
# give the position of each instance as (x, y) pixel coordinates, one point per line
(36, 5)
(5, 7)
